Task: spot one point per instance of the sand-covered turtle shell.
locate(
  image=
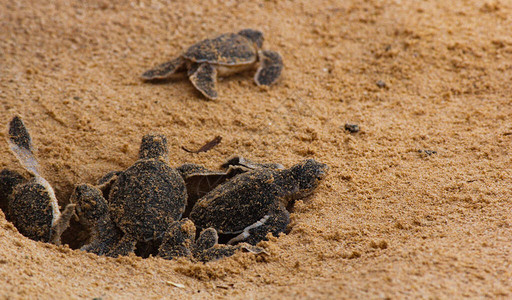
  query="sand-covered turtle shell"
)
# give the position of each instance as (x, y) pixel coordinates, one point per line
(227, 49)
(31, 211)
(237, 203)
(146, 198)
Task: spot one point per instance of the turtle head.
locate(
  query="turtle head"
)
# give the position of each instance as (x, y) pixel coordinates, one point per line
(308, 175)
(255, 36)
(90, 204)
(154, 146)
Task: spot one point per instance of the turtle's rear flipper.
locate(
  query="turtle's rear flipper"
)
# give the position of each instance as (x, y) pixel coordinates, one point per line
(61, 224)
(204, 78)
(166, 70)
(271, 65)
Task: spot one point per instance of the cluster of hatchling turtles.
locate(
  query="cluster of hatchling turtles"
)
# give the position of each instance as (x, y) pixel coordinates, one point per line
(184, 209)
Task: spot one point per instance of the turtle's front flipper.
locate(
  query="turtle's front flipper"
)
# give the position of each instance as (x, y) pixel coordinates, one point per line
(274, 222)
(166, 70)
(21, 145)
(105, 183)
(61, 224)
(271, 65)
(206, 240)
(204, 78)
(92, 209)
(239, 161)
(178, 240)
(125, 246)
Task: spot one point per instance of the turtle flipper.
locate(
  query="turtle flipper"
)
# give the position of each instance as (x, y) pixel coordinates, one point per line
(125, 246)
(21, 145)
(207, 239)
(204, 78)
(105, 183)
(107, 239)
(271, 65)
(61, 224)
(92, 209)
(166, 70)
(239, 161)
(178, 240)
(275, 222)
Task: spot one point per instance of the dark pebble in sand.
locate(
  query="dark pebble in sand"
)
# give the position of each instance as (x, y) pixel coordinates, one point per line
(352, 128)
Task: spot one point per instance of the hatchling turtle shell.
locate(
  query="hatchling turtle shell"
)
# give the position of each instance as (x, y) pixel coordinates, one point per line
(146, 198)
(226, 49)
(237, 203)
(31, 210)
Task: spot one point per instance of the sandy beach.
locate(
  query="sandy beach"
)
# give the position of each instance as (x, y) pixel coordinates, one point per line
(417, 204)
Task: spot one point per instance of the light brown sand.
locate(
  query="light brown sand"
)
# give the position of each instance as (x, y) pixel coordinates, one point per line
(387, 222)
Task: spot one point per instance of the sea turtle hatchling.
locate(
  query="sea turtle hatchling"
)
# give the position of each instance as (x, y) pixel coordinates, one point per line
(146, 198)
(253, 203)
(32, 205)
(221, 56)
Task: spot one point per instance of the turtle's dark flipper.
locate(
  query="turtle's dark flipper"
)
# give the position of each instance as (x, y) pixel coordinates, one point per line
(166, 70)
(271, 65)
(125, 246)
(105, 237)
(204, 78)
(21, 145)
(92, 209)
(207, 239)
(243, 162)
(178, 240)
(105, 183)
